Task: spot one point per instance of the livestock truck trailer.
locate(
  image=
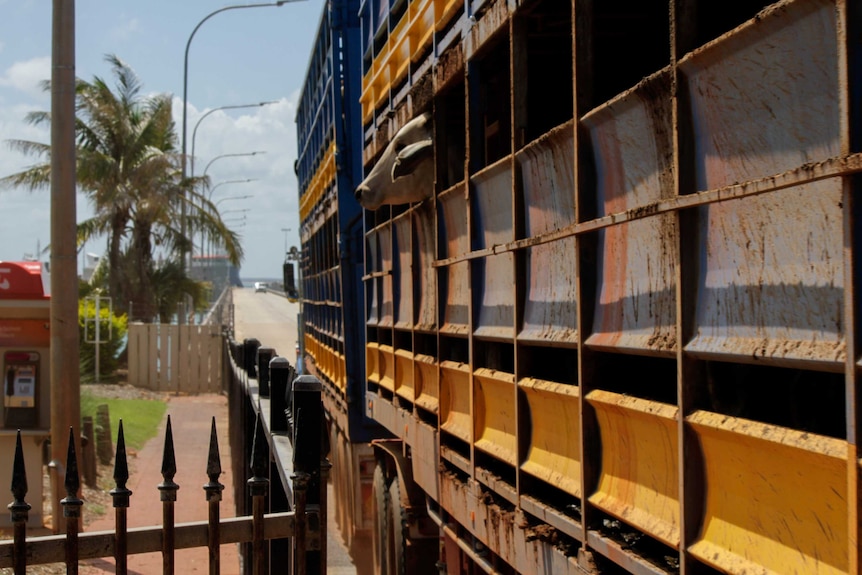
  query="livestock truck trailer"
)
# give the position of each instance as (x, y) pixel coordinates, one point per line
(580, 282)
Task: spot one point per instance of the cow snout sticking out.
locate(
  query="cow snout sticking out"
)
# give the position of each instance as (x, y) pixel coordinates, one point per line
(405, 171)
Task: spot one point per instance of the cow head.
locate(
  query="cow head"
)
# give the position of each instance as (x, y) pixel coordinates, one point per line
(405, 171)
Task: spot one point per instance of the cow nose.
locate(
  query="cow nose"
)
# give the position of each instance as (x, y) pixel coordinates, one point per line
(361, 189)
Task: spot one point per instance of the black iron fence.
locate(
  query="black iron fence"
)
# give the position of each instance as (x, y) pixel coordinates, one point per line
(296, 502)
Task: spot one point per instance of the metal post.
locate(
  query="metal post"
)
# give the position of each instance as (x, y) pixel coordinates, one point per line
(120, 495)
(308, 450)
(258, 486)
(300, 493)
(98, 334)
(264, 356)
(280, 376)
(213, 491)
(65, 382)
(168, 494)
(72, 507)
(19, 510)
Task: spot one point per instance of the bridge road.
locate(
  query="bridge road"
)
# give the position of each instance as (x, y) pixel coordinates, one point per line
(272, 319)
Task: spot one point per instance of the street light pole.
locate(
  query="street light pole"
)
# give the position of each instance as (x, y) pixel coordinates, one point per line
(186, 100)
(208, 112)
(218, 157)
(286, 231)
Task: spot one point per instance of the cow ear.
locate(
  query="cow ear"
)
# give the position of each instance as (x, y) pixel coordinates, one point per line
(410, 157)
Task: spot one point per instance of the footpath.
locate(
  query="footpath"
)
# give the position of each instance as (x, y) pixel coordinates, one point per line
(191, 421)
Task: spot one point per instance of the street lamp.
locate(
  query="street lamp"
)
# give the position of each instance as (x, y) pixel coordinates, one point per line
(218, 157)
(238, 210)
(186, 93)
(213, 189)
(233, 198)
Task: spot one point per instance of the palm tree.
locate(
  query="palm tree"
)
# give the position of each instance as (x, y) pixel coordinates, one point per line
(128, 165)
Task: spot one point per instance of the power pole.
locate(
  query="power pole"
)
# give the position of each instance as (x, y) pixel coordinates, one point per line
(65, 378)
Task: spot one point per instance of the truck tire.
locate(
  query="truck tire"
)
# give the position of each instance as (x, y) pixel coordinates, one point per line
(397, 531)
(379, 531)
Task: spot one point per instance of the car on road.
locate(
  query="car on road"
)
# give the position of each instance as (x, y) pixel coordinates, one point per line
(259, 286)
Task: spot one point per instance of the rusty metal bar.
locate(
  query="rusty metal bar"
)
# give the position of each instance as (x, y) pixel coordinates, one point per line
(120, 495)
(258, 486)
(300, 493)
(72, 506)
(213, 491)
(168, 494)
(19, 509)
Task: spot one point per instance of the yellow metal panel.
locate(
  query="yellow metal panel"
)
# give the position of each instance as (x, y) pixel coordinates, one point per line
(427, 382)
(342, 373)
(320, 181)
(639, 477)
(387, 367)
(775, 498)
(554, 454)
(372, 363)
(496, 414)
(444, 10)
(455, 399)
(399, 50)
(404, 374)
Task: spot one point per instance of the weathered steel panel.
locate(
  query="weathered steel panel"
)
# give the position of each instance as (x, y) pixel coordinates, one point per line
(372, 286)
(775, 499)
(546, 171)
(453, 206)
(424, 274)
(554, 452)
(639, 481)
(765, 100)
(387, 302)
(404, 272)
(492, 222)
(633, 151)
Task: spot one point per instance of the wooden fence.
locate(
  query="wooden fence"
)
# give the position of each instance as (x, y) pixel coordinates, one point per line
(180, 358)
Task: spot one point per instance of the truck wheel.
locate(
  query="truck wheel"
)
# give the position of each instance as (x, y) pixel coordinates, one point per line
(379, 532)
(397, 524)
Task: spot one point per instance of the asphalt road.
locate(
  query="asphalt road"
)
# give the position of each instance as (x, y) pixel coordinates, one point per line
(272, 320)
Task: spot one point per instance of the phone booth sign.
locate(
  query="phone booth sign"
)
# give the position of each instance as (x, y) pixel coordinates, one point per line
(25, 342)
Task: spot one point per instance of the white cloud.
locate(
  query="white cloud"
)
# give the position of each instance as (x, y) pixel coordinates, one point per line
(125, 30)
(27, 75)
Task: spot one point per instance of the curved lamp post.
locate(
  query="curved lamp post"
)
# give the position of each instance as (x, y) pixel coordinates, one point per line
(219, 157)
(245, 197)
(213, 189)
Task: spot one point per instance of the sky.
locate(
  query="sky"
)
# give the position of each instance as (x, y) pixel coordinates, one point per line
(238, 57)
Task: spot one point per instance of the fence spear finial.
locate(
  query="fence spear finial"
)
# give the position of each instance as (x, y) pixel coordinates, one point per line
(120, 493)
(19, 507)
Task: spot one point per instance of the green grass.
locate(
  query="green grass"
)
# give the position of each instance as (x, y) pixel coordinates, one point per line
(141, 417)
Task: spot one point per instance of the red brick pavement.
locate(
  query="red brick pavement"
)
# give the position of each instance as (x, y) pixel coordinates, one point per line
(191, 418)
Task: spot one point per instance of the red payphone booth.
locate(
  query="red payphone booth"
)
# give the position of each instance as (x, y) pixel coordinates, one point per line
(25, 341)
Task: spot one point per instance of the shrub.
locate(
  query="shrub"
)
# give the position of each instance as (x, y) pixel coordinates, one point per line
(112, 331)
